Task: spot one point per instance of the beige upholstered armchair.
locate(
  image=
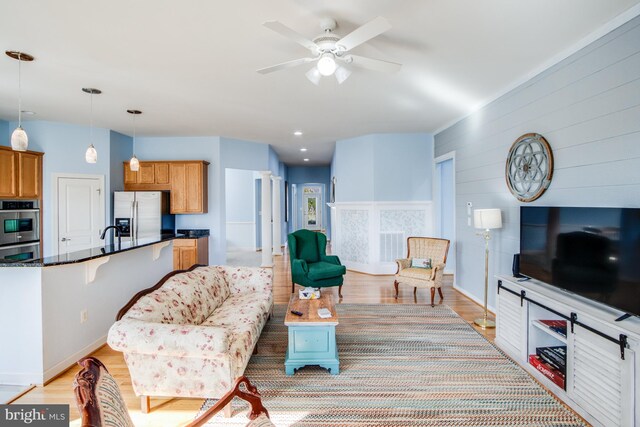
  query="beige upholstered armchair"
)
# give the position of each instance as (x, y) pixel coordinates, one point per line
(423, 248)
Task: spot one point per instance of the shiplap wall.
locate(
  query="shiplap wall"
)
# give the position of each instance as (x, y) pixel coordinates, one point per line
(588, 108)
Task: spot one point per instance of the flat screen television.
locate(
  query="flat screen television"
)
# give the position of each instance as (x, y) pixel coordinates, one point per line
(593, 252)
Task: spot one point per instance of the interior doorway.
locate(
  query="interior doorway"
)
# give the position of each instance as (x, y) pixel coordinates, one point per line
(79, 211)
(445, 205)
(242, 213)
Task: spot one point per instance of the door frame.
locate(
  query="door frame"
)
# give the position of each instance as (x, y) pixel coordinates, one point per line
(55, 177)
(436, 197)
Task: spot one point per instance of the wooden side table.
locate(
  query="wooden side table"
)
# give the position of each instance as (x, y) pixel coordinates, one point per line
(312, 340)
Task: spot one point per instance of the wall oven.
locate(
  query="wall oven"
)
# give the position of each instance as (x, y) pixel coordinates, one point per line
(20, 253)
(19, 226)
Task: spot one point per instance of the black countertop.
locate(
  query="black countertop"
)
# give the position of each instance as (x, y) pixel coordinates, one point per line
(89, 254)
(194, 233)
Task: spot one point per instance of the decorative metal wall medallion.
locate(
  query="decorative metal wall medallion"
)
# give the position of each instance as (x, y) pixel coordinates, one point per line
(529, 167)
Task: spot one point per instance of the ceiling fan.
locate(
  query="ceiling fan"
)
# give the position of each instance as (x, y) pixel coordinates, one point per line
(330, 52)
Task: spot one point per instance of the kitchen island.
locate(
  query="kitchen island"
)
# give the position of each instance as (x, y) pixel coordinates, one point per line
(55, 310)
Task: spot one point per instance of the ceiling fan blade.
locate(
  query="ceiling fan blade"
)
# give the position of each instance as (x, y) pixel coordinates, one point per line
(366, 32)
(287, 32)
(284, 65)
(374, 64)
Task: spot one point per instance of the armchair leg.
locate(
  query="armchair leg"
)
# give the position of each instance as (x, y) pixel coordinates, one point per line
(440, 293)
(293, 287)
(145, 403)
(433, 294)
(340, 291)
(395, 284)
(415, 291)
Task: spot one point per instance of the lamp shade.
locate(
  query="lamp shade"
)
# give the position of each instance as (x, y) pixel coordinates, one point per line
(487, 218)
(19, 139)
(91, 155)
(134, 164)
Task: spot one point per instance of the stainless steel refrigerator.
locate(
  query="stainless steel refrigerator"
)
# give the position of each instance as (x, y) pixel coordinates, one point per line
(142, 214)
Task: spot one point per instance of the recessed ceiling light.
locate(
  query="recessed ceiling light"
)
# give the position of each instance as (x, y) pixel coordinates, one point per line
(306, 160)
(298, 133)
(303, 149)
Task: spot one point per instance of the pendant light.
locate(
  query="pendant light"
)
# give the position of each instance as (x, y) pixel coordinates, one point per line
(134, 163)
(19, 138)
(91, 155)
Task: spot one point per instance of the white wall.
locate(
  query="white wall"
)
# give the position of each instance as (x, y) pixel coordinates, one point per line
(588, 108)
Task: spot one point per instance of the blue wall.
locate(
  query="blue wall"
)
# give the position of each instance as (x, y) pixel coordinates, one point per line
(384, 167)
(5, 135)
(64, 146)
(221, 153)
(193, 148)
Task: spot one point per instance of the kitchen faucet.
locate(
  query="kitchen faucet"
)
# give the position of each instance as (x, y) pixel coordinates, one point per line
(117, 231)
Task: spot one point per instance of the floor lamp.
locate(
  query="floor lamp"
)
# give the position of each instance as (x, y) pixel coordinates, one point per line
(486, 219)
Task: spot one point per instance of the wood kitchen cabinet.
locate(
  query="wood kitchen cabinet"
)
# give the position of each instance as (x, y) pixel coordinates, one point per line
(150, 176)
(20, 174)
(189, 187)
(186, 180)
(187, 252)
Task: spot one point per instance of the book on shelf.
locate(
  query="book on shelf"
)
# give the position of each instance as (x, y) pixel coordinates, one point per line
(558, 326)
(557, 377)
(554, 356)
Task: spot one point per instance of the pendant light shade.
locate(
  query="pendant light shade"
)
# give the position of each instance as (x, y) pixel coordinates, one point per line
(91, 155)
(134, 163)
(19, 138)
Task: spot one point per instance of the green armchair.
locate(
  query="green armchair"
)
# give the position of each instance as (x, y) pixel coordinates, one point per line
(310, 264)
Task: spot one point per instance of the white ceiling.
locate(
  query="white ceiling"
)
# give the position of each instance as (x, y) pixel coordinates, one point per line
(190, 65)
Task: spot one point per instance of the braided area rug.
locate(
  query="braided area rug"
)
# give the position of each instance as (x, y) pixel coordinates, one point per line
(400, 365)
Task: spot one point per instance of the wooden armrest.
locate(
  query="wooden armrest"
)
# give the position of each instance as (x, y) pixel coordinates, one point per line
(251, 395)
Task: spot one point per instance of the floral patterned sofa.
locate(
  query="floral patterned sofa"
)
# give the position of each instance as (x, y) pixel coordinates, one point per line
(192, 334)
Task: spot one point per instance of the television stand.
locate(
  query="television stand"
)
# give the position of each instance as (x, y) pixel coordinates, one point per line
(624, 316)
(596, 357)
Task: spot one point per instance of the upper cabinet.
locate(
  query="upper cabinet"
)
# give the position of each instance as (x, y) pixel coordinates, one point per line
(186, 180)
(20, 174)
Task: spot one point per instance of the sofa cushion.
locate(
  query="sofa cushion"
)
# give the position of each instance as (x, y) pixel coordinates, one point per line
(324, 270)
(308, 248)
(186, 298)
(416, 273)
(243, 316)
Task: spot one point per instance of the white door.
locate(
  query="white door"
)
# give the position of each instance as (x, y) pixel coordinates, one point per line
(312, 207)
(80, 213)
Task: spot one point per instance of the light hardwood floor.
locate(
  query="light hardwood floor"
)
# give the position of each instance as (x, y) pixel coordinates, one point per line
(358, 288)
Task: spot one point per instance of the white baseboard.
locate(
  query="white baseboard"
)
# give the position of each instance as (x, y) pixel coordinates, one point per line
(474, 298)
(21, 378)
(69, 361)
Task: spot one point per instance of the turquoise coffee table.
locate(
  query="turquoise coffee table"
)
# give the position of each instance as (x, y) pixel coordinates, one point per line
(312, 340)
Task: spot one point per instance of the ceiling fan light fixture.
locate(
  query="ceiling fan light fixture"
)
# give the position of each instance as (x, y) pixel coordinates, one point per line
(342, 74)
(327, 64)
(314, 76)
